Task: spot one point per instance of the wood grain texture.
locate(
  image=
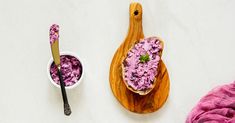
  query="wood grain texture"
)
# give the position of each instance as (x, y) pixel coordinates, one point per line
(130, 100)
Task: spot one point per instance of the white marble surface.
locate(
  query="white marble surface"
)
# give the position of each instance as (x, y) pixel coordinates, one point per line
(199, 53)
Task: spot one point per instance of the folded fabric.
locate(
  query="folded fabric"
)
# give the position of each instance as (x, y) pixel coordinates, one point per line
(218, 106)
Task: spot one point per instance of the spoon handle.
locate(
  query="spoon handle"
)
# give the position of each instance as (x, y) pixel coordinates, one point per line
(67, 109)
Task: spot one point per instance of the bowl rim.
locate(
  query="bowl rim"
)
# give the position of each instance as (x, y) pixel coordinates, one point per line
(49, 74)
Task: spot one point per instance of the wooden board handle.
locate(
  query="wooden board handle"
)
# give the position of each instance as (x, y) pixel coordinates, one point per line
(135, 31)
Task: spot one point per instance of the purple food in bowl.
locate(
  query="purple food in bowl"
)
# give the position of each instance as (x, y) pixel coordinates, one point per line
(71, 68)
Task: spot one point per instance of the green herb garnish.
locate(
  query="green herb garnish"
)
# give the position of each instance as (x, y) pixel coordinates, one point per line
(144, 58)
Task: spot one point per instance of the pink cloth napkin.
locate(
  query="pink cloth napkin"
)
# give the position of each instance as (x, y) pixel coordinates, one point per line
(218, 106)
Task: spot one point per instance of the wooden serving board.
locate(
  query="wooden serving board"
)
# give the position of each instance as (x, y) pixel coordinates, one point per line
(130, 100)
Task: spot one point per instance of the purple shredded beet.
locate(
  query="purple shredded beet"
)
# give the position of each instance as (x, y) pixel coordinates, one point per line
(54, 33)
(139, 73)
(71, 69)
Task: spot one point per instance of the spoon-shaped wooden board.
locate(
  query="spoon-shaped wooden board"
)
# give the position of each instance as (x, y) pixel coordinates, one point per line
(130, 100)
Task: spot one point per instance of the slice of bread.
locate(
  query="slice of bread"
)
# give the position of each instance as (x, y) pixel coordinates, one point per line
(148, 89)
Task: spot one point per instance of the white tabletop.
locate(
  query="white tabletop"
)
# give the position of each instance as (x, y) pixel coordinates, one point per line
(199, 54)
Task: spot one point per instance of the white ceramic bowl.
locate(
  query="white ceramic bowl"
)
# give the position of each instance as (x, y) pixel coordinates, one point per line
(49, 74)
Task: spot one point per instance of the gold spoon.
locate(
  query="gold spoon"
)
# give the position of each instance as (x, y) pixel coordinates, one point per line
(54, 41)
